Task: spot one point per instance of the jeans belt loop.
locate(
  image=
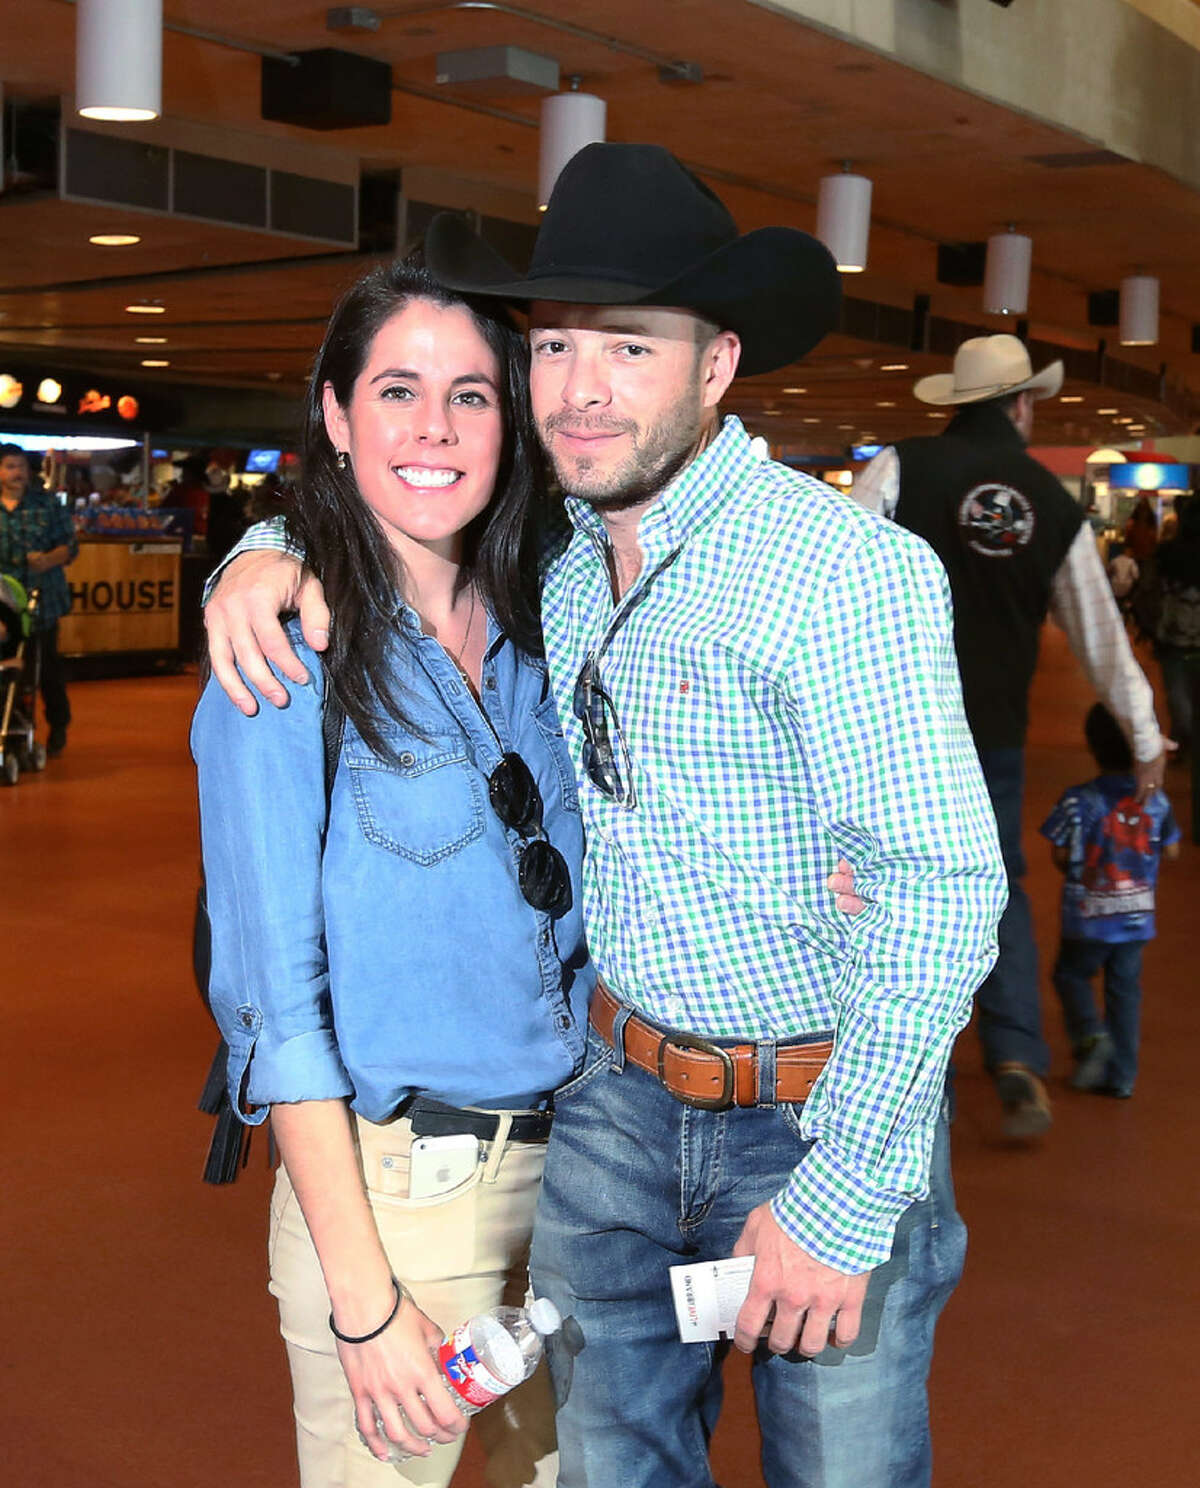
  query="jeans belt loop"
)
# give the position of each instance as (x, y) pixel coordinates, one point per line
(491, 1169)
(618, 1039)
(765, 1073)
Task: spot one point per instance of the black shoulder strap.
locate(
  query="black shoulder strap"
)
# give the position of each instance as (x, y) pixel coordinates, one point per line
(333, 729)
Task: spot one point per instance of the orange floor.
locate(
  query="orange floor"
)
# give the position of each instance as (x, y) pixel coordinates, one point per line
(138, 1342)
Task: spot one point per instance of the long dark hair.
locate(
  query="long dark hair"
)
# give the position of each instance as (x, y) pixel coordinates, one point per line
(342, 539)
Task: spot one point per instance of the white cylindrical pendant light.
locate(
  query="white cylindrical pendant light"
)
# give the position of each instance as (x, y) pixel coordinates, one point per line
(1139, 310)
(118, 59)
(569, 121)
(1006, 274)
(844, 219)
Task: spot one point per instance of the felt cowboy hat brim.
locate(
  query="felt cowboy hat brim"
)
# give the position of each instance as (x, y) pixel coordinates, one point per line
(988, 367)
(629, 225)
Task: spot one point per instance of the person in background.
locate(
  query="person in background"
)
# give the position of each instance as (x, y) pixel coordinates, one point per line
(191, 492)
(1122, 575)
(1141, 531)
(397, 936)
(1108, 845)
(1177, 624)
(37, 542)
(1016, 547)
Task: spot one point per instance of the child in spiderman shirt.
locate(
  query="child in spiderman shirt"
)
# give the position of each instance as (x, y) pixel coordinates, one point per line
(1108, 845)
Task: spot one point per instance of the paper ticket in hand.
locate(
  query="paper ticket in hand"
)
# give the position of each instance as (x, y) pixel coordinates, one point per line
(709, 1295)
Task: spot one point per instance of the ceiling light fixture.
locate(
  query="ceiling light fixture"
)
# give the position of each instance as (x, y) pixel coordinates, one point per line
(1006, 273)
(569, 121)
(884, 404)
(844, 218)
(795, 390)
(1108, 410)
(894, 367)
(151, 340)
(146, 307)
(154, 362)
(114, 240)
(1139, 310)
(1071, 398)
(118, 60)
(812, 421)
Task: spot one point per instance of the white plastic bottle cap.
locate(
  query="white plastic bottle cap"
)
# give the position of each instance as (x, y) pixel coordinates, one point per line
(545, 1317)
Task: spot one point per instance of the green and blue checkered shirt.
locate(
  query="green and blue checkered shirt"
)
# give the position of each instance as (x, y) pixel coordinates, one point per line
(784, 677)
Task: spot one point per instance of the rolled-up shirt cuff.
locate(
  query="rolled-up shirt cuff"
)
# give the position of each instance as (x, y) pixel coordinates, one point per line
(306, 1066)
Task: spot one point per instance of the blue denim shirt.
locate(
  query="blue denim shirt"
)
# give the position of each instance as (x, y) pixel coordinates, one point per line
(393, 952)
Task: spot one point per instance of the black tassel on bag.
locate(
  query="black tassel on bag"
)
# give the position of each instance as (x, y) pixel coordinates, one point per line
(229, 1150)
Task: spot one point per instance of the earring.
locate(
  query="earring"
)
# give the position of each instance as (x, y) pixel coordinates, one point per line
(341, 459)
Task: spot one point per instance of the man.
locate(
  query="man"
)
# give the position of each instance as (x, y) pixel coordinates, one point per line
(755, 678)
(1015, 545)
(37, 541)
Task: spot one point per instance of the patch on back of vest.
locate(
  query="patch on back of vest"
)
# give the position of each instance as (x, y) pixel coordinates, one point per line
(995, 520)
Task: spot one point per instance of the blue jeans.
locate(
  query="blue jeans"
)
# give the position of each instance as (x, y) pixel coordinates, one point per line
(1010, 1008)
(1078, 962)
(636, 1182)
(1181, 677)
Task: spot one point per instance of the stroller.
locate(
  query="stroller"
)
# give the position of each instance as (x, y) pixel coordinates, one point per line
(20, 661)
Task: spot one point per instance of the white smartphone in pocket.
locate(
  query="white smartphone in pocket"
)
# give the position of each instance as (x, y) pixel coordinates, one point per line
(438, 1164)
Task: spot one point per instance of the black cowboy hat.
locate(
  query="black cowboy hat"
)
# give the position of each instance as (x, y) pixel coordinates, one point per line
(630, 225)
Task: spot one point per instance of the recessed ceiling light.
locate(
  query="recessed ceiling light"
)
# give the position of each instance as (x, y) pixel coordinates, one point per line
(146, 307)
(1071, 398)
(151, 340)
(935, 415)
(894, 367)
(795, 390)
(1108, 410)
(772, 412)
(845, 426)
(114, 240)
(1126, 420)
(812, 420)
(884, 404)
(154, 362)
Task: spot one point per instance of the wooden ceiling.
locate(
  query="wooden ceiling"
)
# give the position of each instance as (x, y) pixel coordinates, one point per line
(779, 106)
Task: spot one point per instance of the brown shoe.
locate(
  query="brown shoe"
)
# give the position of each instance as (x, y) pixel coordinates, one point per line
(1026, 1104)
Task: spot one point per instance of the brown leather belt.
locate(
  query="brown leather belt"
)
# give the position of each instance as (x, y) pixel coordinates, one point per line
(702, 1073)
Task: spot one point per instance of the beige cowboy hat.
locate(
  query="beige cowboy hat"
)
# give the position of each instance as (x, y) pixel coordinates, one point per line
(989, 367)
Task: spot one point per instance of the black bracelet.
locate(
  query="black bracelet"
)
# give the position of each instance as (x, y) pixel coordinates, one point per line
(400, 1291)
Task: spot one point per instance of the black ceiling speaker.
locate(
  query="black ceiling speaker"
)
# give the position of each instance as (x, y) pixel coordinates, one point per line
(961, 263)
(327, 89)
(1005, 3)
(1104, 307)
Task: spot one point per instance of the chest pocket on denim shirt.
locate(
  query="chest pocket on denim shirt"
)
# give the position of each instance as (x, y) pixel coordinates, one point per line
(426, 806)
(545, 715)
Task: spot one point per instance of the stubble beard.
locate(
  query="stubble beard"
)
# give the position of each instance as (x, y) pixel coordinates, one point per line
(659, 454)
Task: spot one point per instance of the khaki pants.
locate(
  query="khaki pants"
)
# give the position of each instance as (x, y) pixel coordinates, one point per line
(459, 1254)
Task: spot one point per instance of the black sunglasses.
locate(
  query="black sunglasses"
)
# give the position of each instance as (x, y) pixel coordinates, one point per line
(542, 872)
(593, 707)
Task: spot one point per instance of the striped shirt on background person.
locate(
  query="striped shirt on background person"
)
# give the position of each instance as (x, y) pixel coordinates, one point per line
(784, 678)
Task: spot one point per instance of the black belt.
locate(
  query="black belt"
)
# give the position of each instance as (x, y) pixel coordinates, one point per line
(430, 1118)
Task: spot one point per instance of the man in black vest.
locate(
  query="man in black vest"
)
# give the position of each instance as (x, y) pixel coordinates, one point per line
(1015, 546)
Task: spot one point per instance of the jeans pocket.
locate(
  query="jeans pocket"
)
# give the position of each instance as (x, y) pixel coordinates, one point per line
(597, 1058)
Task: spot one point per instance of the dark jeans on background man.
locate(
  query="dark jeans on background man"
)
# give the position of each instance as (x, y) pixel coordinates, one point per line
(1121, 961)
(636, 1182)
(54, 681)
(1010, 1009)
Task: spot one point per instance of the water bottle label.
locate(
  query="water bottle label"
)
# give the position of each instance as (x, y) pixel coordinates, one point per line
(466, 1373)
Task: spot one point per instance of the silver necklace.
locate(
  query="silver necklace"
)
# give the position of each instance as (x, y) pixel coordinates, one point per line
(466, 641)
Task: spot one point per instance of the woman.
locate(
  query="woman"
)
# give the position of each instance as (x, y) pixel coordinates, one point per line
(404, 960)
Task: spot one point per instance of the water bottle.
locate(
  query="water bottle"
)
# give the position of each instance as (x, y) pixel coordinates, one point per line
(490, 1354)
